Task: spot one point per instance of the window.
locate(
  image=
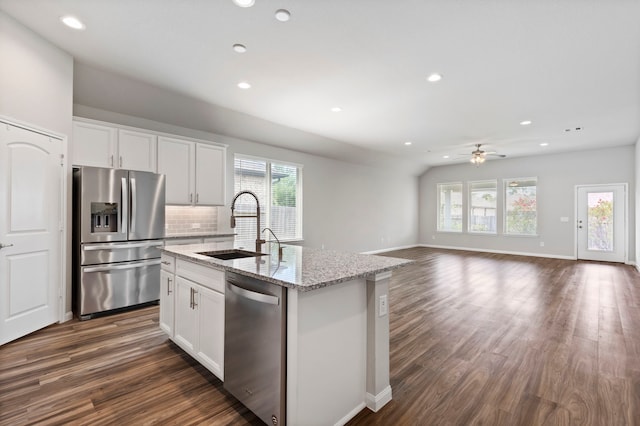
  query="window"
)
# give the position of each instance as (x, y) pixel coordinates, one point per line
(482, 206)
(279, 189)
(520, 206)
(450, 207)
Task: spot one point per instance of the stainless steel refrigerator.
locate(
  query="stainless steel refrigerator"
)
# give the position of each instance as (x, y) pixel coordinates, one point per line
(118, 231)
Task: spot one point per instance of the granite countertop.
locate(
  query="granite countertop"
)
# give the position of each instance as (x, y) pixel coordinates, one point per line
(301, 268)
(200, 235)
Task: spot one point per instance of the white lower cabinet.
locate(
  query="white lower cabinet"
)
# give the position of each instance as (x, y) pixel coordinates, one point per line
(167, 287)
(167, 290)
(210, 350)
(199, 314)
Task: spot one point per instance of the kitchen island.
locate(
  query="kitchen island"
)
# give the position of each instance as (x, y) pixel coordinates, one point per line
(337, 326)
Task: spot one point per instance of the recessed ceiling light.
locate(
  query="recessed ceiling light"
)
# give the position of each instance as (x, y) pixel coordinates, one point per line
(408, 143)
(434, 77)
(336, 109)
(283, 15)
(244, 85)
(72, 22)
(445, 156)
(525, 122)
(244, 3)
(544, 144)
(239, 48)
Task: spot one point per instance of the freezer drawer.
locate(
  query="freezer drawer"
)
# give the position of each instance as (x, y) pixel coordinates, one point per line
(106, 287)
(97, 253)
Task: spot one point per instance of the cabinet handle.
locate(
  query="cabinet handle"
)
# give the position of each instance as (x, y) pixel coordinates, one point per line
(164, 262)
(195, 293)
(169, 281)
(191, 197)
(197, 197)
(121, 161)
(112, 161)
(190, 298)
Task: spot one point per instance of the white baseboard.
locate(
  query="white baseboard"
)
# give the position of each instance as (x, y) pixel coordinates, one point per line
(68, 316)
(390, 249)
(350, 415)
(514, 253)
(376, 402)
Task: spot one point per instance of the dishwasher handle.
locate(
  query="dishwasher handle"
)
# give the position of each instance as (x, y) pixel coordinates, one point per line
(252, 295)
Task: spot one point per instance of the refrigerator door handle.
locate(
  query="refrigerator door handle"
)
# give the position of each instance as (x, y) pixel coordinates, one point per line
(124, 199)
(133, 204)
(122, 246)
(121, 266)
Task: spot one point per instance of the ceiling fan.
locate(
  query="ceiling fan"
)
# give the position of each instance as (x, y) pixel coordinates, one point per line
(478, 156)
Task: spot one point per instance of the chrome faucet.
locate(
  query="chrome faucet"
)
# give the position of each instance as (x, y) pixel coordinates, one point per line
(259, 241)
(277, 240)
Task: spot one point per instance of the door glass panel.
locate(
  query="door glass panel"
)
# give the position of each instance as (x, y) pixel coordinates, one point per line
(600, 221)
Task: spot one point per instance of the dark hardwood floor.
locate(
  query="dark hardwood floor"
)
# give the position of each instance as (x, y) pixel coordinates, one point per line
(475, 339)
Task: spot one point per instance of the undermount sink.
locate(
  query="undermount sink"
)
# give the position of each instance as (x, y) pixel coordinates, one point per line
(231, 254)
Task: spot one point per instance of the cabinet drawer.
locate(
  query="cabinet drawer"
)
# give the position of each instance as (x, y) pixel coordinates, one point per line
(203, 275)
(168, 263)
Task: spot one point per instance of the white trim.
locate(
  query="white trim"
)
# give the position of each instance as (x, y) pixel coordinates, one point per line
(384, 250)
(515, 253)
(68, 316)
(268, 160)
(351, 414)
(376, 402)
(27, 126)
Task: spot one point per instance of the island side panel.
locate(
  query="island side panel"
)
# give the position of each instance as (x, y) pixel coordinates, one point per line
(326, 354)
(378, 386)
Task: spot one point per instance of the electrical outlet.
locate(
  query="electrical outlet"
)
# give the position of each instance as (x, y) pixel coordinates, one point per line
(383, 307)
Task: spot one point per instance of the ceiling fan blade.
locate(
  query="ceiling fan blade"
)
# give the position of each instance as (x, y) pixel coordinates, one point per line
(496, 155)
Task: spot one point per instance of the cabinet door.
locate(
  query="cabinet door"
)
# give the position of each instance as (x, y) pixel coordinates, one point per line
(210, 175)
(176, 160)
(210, 350)
(136, 151)
(94, 145)
(186, 320)
(167, 287)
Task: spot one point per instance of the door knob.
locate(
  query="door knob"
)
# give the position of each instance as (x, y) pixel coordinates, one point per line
(5, 245)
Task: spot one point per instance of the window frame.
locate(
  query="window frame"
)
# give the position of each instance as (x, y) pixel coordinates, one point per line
(438, 207)
(470, 206)
(505, 211)
(266, 205)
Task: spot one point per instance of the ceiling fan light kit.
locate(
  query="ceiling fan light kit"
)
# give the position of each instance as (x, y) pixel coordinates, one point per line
(479, 156)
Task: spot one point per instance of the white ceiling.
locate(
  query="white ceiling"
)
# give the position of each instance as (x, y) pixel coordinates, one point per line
(562, 64)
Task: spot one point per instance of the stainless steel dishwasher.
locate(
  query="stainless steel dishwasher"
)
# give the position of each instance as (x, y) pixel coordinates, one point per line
(255, 346)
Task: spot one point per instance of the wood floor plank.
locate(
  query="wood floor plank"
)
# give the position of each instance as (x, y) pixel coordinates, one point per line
(475, 339)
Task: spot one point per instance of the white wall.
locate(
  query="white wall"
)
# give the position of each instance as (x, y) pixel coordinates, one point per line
(345, 206)
(36, 78)
(36, 88)
(557, 176)
(637, 203)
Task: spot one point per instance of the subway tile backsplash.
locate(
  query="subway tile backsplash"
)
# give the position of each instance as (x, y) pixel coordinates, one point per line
(186, 220)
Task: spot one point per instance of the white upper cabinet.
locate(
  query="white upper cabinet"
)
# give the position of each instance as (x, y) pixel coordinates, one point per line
(210, 173)
(136, 151)
(99, 145)
(195, 172)
(94, 145)
(176, 160)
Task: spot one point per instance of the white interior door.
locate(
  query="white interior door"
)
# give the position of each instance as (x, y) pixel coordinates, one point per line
(30, 223)
(601, 223)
